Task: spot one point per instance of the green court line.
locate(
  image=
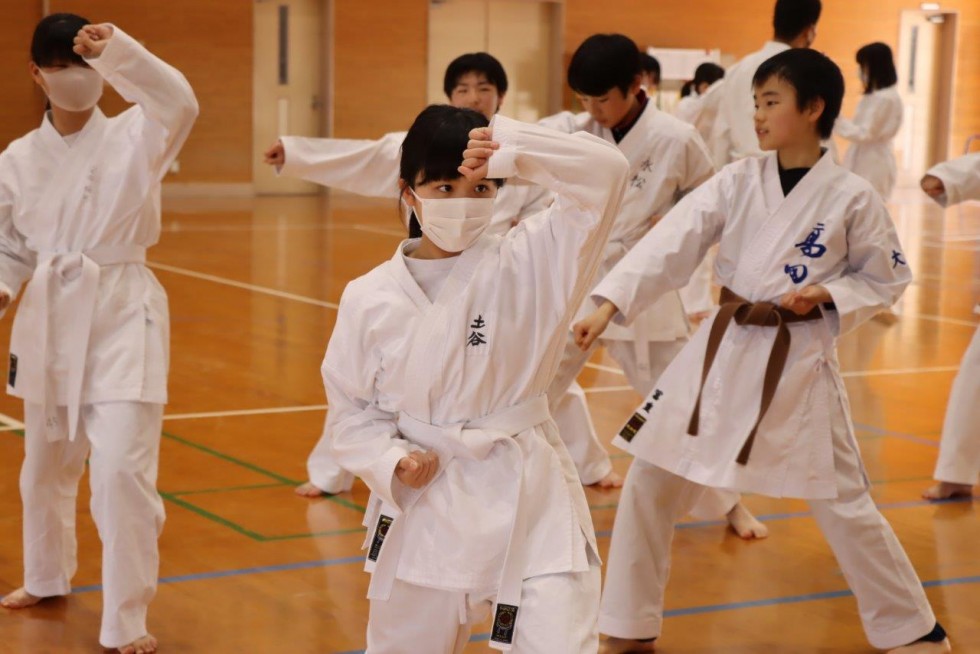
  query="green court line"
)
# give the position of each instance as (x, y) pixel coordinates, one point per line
(212, 516)
(228, 489)
(262, 471)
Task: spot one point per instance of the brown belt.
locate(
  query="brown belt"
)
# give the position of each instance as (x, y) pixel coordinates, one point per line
(760, 314)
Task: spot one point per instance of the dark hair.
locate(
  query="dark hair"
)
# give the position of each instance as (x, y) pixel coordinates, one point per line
(813, 75)
(708, 73)
(433, 147)
(793, 16)
(604, 62)
(877, 59)
(54, 40)
(475, 62)
(649, 64)
(687, 88)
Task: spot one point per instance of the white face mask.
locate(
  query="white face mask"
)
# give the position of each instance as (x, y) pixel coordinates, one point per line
(74, 88)
(454, 224)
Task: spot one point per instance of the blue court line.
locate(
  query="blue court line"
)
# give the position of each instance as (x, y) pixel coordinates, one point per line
(752, 604)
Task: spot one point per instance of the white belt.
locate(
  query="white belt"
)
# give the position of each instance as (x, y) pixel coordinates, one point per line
(473, 440)
(81, 269)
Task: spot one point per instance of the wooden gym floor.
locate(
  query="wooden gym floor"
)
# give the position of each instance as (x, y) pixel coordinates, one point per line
(249, 567)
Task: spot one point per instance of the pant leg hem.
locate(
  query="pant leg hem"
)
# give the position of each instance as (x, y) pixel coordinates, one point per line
(956, 477)
(635, 629)
(906, 635)
(48, 588)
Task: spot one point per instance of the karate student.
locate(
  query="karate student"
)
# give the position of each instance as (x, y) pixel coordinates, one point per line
(755, 400)
(690, 106)
(876, 122)
(650, 78)
(958, 468)
(733, 135)
(79, 206)
(667, 159)
(440, 405)
(475, 81)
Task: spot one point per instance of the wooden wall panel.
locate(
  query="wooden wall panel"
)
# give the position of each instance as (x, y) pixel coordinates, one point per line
(380, 50)
(741, 27)
(23, 102)
(211, 43)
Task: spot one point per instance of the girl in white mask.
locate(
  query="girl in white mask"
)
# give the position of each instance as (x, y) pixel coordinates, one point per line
(436, 375)
(79, 206)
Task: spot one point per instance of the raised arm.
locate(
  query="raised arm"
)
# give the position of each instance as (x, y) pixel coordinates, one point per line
(163, 94)
(359, 166)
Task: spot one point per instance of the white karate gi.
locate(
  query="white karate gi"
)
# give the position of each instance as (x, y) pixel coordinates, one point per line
(465, 375)
(90, 342)
(959, 448)
(805, 445)
(876, 123)
(370, 168)
(688, 108)
(667, 159)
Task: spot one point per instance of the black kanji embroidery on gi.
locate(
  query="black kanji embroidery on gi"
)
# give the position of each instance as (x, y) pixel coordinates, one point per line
(477, 337)
(897, 258)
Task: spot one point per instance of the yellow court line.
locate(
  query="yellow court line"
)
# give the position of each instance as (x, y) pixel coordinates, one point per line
(246, 412)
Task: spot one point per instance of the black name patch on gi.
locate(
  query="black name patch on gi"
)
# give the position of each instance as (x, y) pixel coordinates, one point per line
(384, 523)
(12, 372)
(630, 429)
(504, 621)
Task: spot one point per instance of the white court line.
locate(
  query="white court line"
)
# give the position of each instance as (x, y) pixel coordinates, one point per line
(248, 287)
(599, 366)
(952, 321)
(245, 412)
(9, 424)
(898, 371)
(607, 389)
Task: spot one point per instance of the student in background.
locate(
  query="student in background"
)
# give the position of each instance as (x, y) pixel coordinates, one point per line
(690, 107)
(877, 120)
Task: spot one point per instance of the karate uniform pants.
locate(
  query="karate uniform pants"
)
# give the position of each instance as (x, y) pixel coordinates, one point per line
(959, 448)
(558, 614)
(323, 470)
(122, 443)
(575, 423)
(893, 606)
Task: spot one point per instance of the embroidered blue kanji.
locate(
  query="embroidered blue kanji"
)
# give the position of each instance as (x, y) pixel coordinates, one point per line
(897, 259)
(809, 247)
(797, 273)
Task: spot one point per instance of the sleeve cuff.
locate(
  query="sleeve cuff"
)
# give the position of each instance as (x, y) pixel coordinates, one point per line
(503, 163)
(117, 51)
(394, 493)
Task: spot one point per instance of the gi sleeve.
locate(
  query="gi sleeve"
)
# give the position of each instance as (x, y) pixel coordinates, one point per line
(877, 271)
(562, 245)
(878, 123)
(359, 166)
(165, 97)
(667, 257)
(17, 262)
(363, 437)
(961, 179)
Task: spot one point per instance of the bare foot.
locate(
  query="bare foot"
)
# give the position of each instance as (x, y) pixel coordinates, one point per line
(745, 524)
(947, 489)
(886, 317)
(19, 599)
(145, 645)
(612, 480)
(625, 646)
(923, 648)
(308, 490)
